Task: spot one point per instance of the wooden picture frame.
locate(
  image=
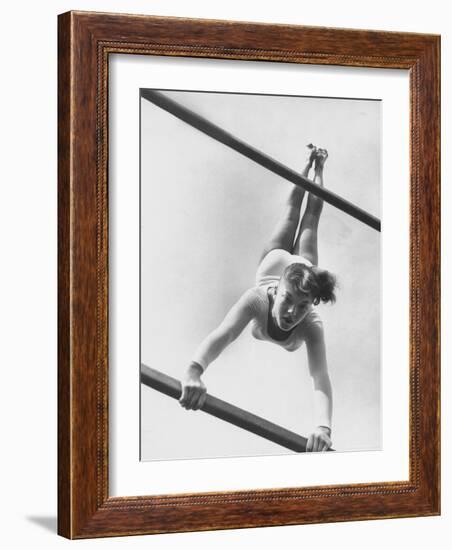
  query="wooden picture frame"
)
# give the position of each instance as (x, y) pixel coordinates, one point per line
(85, 42)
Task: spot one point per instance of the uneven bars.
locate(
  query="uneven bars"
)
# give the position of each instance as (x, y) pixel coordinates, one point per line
(215, 132)
(227, 412)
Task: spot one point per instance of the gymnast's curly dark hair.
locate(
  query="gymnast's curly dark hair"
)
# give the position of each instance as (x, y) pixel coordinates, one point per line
(321, 284)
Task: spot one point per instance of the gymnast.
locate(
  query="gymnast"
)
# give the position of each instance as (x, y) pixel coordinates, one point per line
(280, 307)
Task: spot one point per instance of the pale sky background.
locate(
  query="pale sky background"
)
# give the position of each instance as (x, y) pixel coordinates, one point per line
(206, 213)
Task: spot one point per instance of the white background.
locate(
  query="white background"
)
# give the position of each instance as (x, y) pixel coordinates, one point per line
(28, 289)
(128, 476)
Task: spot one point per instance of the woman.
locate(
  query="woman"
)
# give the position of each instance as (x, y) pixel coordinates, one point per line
(280, 306)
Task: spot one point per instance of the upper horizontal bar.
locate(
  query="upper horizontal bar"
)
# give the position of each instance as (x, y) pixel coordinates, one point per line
(227, 412)
(214, 131)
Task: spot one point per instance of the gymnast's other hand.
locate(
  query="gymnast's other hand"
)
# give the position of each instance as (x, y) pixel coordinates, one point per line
(319, 440)
(193, 388)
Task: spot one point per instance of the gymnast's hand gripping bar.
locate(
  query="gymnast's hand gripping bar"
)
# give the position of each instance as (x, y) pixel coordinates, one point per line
(227, 412)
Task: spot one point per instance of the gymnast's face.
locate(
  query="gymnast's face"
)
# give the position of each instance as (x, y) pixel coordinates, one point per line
(290, 306)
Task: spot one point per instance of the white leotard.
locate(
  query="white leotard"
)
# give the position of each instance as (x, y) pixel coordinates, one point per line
(255, 303)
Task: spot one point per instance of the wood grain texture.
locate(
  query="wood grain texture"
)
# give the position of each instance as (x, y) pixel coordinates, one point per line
(64, 295)
(85, 42)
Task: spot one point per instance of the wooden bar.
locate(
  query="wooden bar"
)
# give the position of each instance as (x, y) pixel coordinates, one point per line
(227, 412)
(215, 132)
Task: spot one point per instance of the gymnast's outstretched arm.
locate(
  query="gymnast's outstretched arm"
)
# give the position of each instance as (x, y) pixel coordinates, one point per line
(320, 438)
(193, 388)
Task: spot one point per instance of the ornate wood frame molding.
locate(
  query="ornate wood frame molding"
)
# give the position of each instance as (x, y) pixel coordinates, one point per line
(86, 40)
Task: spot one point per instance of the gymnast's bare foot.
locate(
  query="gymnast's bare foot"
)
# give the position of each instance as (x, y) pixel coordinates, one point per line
(312, 153)
(320, 158)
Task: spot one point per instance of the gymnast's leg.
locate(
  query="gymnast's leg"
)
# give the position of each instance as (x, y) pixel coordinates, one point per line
(283, 235)
(306, 244)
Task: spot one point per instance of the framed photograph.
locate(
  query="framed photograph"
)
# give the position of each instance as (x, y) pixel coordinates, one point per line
(248, 275)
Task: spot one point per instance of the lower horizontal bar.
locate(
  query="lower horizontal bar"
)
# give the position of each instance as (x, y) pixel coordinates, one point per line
(227, 412)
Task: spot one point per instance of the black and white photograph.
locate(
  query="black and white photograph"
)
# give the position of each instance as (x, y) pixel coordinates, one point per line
(260, 274)
(225, 233)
